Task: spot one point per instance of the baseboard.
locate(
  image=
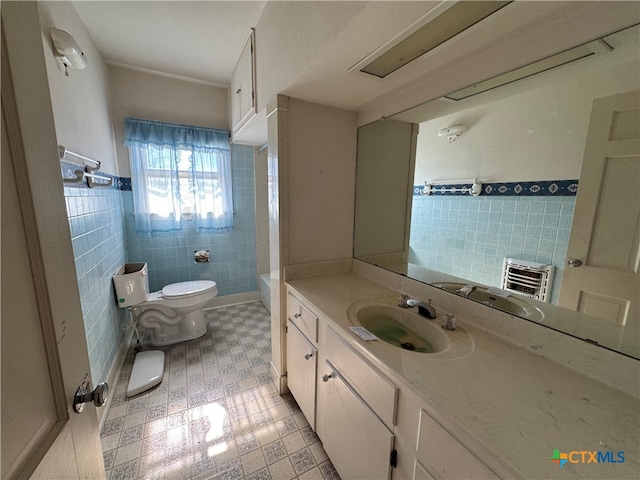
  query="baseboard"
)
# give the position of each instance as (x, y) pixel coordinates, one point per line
(234, 299)
(114, 374)
(280, 381)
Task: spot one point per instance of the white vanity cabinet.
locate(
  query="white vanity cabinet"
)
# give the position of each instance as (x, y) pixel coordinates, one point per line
(369, 426)
(356, 413)
(243, 88)
(302, 356)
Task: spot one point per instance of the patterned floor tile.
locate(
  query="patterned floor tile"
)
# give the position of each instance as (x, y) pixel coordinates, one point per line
(216, 414)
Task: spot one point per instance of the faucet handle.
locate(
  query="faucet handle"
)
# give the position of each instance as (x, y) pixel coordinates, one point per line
(403, 300)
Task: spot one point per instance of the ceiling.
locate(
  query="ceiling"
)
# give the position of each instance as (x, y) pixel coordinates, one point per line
(198, 40)
(314, 45)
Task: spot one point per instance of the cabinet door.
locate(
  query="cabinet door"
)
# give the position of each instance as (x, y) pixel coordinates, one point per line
(421, 473)
(357, 442)
(444, 456)
(302, 358)
(243, 104)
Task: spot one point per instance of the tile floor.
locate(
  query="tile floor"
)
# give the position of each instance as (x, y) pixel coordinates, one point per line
(216, 414)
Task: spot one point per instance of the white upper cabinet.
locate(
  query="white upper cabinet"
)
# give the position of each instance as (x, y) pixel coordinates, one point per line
(243, 89)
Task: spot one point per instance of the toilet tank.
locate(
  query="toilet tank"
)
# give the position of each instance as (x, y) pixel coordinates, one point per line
(132, 284)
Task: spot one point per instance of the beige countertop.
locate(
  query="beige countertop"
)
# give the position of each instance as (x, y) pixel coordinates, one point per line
(518, 405)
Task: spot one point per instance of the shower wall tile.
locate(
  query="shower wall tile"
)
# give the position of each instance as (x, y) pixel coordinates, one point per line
(469, 237)
(233, 253)
(97, 233)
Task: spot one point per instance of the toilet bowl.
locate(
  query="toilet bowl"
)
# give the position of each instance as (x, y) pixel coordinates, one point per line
(173, 314)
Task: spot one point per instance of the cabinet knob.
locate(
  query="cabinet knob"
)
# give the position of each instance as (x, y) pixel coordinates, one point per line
(238, 90)
(296, 315)
(326, 377)
(307, 356)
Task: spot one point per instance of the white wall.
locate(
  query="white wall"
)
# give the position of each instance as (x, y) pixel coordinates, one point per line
(535, 135)
(80, 101)
(321, 183)
(289, 35)
(154, 97)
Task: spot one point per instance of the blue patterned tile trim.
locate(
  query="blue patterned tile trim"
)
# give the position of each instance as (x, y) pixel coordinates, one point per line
(546, 188)
(125, 184)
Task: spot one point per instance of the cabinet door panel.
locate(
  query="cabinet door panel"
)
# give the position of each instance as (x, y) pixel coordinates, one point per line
(242, 92)
(357, 442)
(445, 456)
(302, 358)
(421, 473)
(379, 393)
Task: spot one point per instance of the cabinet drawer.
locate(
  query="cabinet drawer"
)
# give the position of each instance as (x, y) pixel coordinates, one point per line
(444, 456)
(379, 393)
(302, 317)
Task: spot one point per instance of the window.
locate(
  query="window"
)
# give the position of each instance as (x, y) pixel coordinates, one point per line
(179, 173)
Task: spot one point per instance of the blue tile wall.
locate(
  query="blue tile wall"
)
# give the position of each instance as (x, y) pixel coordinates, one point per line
(97, 233)
(233, 254)
(469, 237)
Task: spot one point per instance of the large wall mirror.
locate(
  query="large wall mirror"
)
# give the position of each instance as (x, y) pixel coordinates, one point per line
(529, 147)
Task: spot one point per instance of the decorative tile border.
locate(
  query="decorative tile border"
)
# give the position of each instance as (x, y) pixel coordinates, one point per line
(543, 188)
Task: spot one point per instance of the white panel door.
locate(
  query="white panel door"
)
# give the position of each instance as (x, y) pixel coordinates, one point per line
(357, 442)
(44, 352)
(302, 358)
(601, 278)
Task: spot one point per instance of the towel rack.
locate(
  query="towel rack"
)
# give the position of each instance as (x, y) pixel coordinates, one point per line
(63, 152)
(475, 187)
(87, 174)
(81, 175)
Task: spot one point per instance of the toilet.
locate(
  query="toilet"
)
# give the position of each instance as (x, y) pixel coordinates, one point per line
(173, 314)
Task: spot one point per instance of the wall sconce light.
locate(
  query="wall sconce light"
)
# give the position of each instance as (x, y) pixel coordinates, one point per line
(452, 133)
(67, 50)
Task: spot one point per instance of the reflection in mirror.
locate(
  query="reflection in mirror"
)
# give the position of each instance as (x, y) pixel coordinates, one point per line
(525, 142)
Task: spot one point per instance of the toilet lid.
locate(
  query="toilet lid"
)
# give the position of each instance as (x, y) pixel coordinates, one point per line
(184, 289)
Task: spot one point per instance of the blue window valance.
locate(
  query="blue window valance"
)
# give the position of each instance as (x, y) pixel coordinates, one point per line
(179, 173)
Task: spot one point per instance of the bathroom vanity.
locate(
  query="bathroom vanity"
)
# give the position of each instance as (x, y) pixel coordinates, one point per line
(482, 408)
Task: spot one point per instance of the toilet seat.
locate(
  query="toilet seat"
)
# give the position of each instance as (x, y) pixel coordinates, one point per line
(187, 289)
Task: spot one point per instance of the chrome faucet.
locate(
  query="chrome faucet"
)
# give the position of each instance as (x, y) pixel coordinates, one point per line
(424, 308)
(466, 290)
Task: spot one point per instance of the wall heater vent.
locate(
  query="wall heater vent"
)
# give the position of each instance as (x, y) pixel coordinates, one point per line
(529, 279)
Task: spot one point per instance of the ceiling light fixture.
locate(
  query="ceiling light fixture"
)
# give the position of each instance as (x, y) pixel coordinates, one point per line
(563, 58)
(448, 24)
(452, 133)
(67, 50)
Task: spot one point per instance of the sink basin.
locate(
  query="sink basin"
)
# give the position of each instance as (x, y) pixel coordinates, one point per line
(400, 327)
(510, 304)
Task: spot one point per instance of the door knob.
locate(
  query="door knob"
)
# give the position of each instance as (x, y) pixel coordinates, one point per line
(574, 262)
(98, 396)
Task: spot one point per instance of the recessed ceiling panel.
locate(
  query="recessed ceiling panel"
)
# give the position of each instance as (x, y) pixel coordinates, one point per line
(445, 26)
